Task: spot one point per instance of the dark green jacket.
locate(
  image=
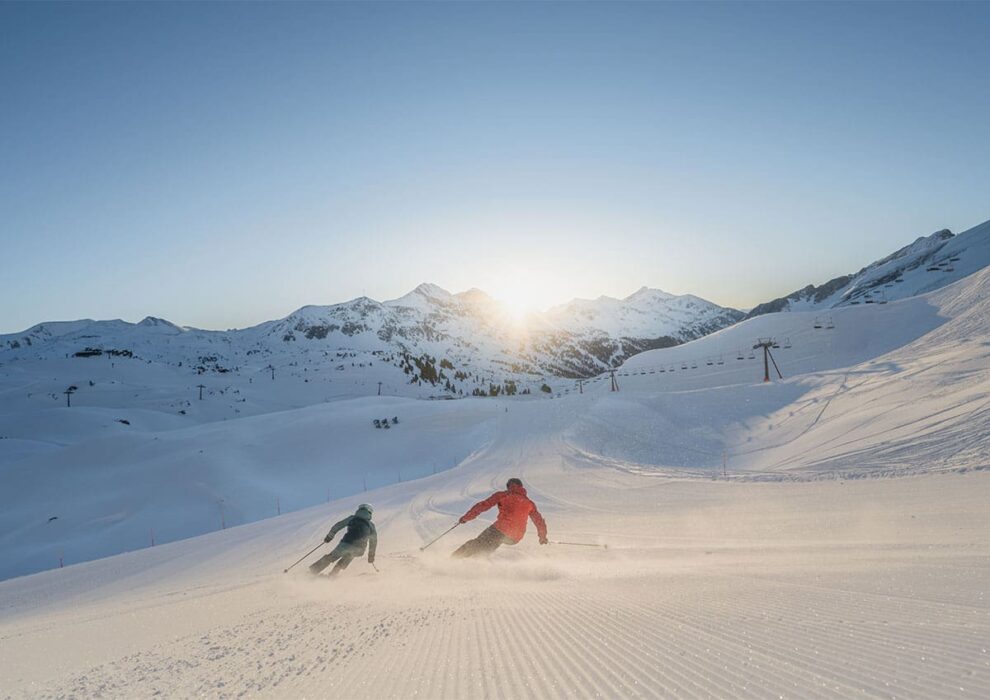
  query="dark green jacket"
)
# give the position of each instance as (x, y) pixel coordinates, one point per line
(360, 533)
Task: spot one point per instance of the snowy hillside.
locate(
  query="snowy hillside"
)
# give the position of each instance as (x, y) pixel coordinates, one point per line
(757, 544)
(915, 372)
(927, 264)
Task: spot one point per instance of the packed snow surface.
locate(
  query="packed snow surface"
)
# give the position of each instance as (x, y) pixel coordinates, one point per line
(821, 535)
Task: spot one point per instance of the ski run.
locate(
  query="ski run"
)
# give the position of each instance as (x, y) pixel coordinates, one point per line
(821, 535)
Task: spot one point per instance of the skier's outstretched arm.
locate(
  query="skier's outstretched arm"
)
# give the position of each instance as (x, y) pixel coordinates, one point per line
(541, 525)
(480, 507)
(372, 544)
(337, 528)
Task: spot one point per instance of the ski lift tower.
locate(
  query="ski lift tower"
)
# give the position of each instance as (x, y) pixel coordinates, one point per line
(766, 344)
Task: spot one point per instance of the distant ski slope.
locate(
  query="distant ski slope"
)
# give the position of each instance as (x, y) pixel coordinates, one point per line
(890, 389)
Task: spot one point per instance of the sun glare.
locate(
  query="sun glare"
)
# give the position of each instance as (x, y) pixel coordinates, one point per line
(518, 305)
(522, 294)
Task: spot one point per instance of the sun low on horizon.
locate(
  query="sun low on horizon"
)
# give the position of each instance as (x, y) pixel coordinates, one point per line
(523, 292)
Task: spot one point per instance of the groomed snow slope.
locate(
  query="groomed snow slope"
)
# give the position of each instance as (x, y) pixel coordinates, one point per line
(888, 390)
(784, 579)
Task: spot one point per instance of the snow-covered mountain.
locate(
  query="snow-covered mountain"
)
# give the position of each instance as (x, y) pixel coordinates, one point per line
(430, 342)
(471, 330)
(641, 314)
(929, 263)
(452, 343)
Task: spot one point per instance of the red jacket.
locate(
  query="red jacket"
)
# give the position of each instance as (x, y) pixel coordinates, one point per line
(513, 509)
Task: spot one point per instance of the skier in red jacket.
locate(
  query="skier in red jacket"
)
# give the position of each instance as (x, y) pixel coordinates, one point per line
(513, 509)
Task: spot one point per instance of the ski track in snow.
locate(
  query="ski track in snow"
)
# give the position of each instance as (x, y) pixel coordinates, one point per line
(706, 633)
(736, 614)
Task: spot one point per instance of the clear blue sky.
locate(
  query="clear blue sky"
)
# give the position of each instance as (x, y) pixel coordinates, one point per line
(223, 164)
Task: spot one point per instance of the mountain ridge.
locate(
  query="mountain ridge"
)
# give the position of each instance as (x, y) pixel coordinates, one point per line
(476, 337)
(469, 330)
(926, 264)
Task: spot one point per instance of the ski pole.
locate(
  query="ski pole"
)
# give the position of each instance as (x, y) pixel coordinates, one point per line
(580, 544)
(374, 567)
(305, 555)
(437, 538)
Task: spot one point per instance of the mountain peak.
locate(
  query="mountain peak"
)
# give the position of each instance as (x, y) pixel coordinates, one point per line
(424, 293)
(648, 293)
(427, 289)
(158, 323)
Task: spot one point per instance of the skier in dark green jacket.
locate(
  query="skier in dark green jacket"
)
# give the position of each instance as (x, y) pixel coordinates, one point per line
(360, 533)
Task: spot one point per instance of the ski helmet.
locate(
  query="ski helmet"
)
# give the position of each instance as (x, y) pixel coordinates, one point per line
(513, 482)
(367, 507)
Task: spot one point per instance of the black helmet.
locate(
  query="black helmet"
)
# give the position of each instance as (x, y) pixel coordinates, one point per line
(513, 482)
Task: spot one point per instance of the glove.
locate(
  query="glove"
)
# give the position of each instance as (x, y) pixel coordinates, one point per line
(371, 560)
(544, 540)
(463, 519)
(328, 538)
